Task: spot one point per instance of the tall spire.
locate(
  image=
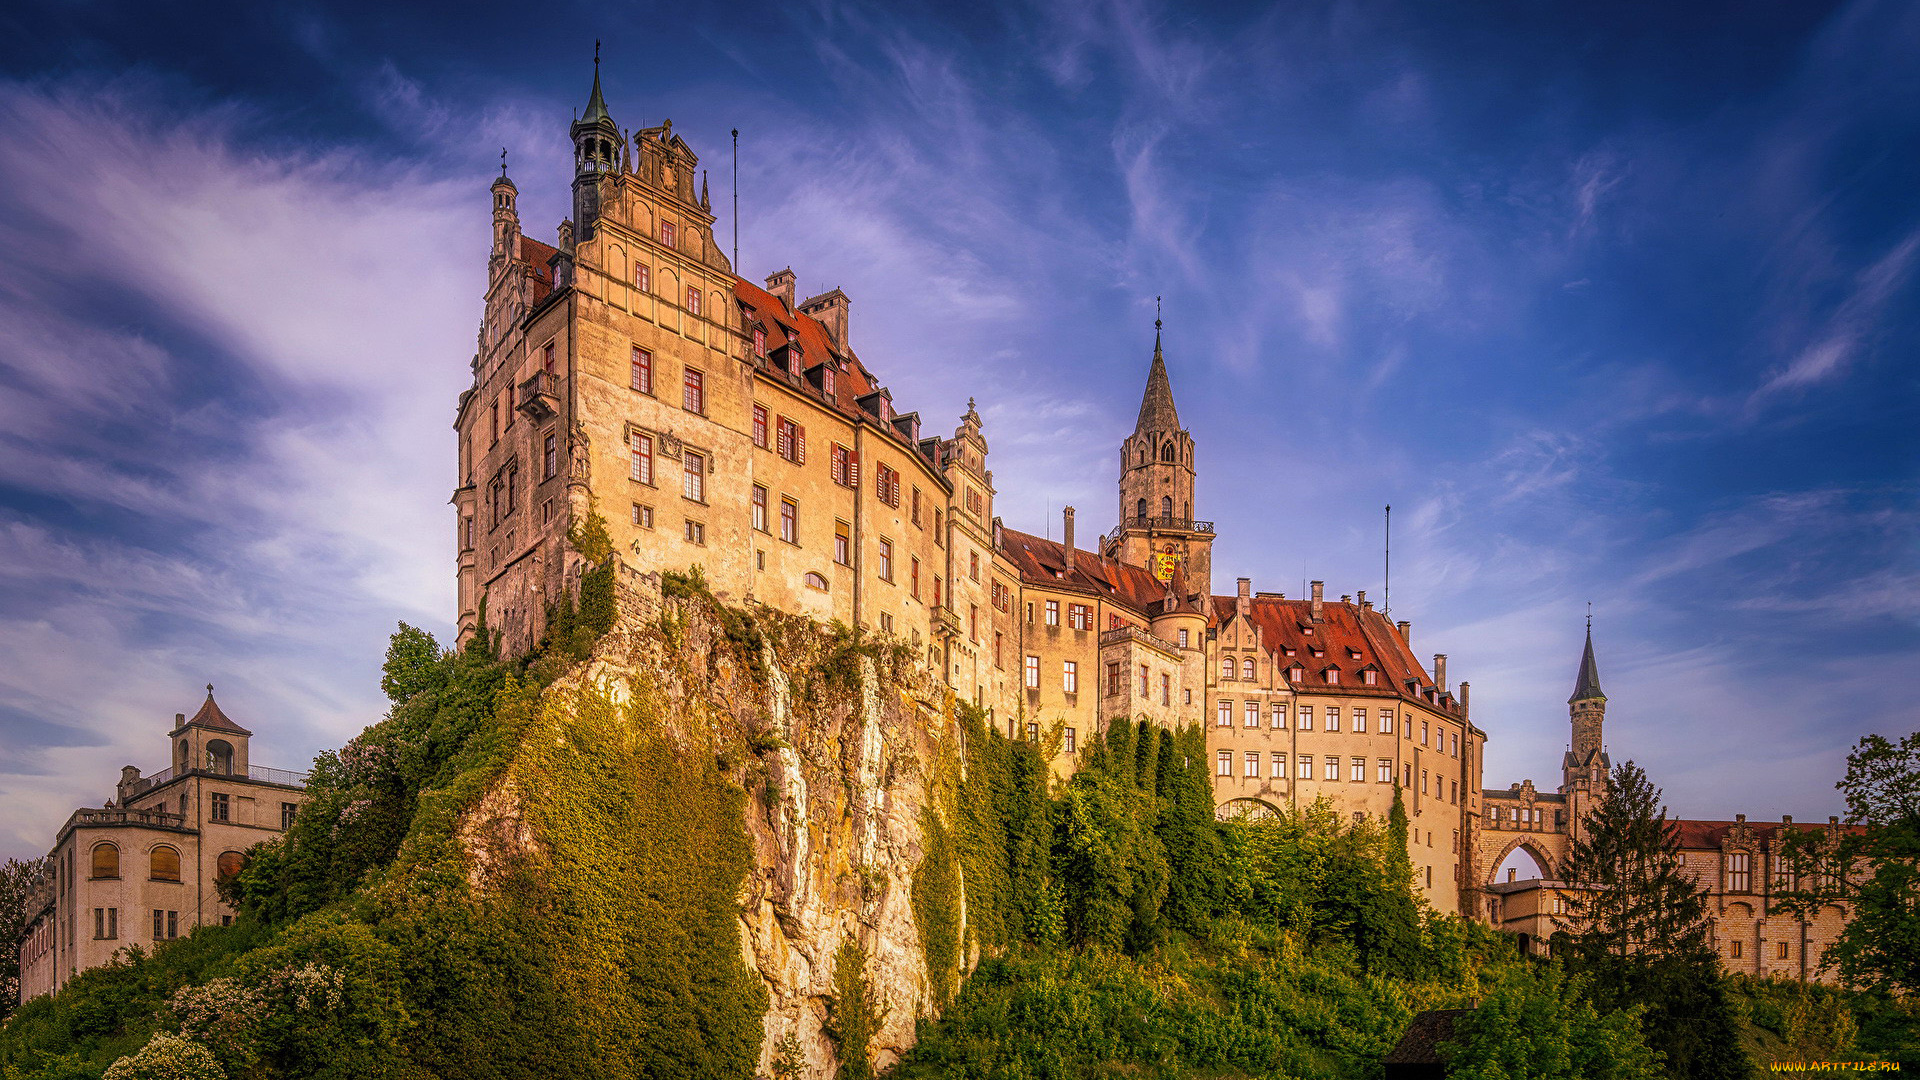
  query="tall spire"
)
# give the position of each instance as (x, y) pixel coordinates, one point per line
(1156, 405)
(1587, 686)
(596, 105)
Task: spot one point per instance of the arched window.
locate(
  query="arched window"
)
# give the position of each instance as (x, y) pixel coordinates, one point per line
(230, 863)
(1140, 509)
(1143, 455)
(106, 861)
(164, 864)
(1226, 667)
(1167, 452)
(1246, 669)
(1166, 506)
(815, 580)
(220, 757)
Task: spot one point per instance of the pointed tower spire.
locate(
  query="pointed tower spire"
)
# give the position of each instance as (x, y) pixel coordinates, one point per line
(596, 105)
(1586, 686)
(1156, 404)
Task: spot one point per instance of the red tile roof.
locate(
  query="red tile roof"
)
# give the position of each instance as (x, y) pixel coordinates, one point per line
(1044, 562)
(213, 719)
(539, 254)
(1709, 834)
(1345, 628)
(816, 345)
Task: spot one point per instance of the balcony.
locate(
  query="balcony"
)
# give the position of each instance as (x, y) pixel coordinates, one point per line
(539, 395)
(257, 773)
(160, 819)
(946, 623)
(1122, 635)
(1158, 524)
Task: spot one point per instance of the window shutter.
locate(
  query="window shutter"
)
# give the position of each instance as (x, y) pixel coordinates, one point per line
(853, 468)
(785, 437)
(799, 445)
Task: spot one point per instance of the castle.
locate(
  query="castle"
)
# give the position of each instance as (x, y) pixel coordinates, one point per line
(730, 426)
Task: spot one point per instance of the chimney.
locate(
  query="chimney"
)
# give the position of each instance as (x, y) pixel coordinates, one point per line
(1067, 540)
(1786, 819)
(1319, 597)
(1440, 672)
(1346, 598)
(1364, 606)
(781, 285)
(129, 776)
(179, 720)
(831, 309)
(1406, 632)
(1242, 605)
(1740, 819)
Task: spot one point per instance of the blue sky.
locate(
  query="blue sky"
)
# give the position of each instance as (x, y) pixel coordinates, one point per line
(1613, 303)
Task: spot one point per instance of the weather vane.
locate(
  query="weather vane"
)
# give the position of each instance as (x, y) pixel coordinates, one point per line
(503, 161)
(1156, 313)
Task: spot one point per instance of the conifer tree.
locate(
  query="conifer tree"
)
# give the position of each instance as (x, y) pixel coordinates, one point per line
(1637, 924)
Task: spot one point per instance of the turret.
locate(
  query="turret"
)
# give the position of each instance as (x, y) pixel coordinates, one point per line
(597, 149)
(1587, 711)
(506, 218)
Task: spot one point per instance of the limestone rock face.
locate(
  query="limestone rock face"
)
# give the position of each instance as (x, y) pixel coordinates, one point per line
(840, 748)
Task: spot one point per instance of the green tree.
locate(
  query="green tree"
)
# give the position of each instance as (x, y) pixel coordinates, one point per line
(1875, 867)
(1540, 1025)
(1637, 925)
(17, 881)
(413, 663)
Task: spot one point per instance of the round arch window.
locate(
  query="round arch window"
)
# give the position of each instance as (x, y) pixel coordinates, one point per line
(106, 860)
(230, 863)
(164, 864)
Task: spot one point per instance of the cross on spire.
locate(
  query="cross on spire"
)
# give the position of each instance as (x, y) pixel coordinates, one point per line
(503, 161)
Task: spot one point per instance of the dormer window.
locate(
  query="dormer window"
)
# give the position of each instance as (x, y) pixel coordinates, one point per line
(1320, 652)
(1333, 676)
(1353, 653)
(760, 342)
(1370, 677)
(826, 381)
(1296, 673)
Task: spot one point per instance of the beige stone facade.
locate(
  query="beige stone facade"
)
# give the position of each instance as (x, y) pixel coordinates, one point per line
(144, 869)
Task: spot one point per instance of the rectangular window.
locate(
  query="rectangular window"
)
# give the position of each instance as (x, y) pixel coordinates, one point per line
(640, 378)
(1279, 767)
(973, 560)
(1033, 732)
(1423, 781)
(1453, 791)
(1306, 718)
(286, 815)
(1252, 765)
(936, 590)
(1053, 613)
(1166, 689)
(1080, 616)
(693, 397)
(694, 475)
(792, 440)
(1780, 950)
(1739, 872)
(973, 622)
(1304, 767)
(641, 466)
(1223, 714)
(913, 578)
(1251, 717)
(1033, 672)
(999, 640)
(1224, 763)
(1113, 677)
(666, 233)
(760, 341)
(696, 532)
(1423, 733)
(218, 807)
(1183, 639)
(939, 537)
(643, 515)
(1068, 745)
(886, 561)
(1383, 772)
(1278, 718)
(1332, 769)
(1359, 721)
(159, 924)
(1735, 950)
(1070, 677)
(1357, 770)
(839, 458)
(759, 508)
(1144, 682)
(642, 279)
(1333, 718)
(760, 426)
(789, 521)
(693, 299)
(842, 543)
(1453, 743)
(886, 622)
(915, 515)
(886, 486)
(1386, 722)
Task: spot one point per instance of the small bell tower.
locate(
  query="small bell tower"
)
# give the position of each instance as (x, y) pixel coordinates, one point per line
(597, 149)
(506, 218)
(1157, 529)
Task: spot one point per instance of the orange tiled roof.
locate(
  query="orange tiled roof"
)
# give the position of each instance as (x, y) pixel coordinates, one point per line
(1709, 834)
(1044, 562)
(212, 718)
(1345, 628)
(784, 326)
(538, 254)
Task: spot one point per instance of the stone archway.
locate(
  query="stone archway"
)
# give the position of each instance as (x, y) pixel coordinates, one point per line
(1234, 809)
(1537, 851)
